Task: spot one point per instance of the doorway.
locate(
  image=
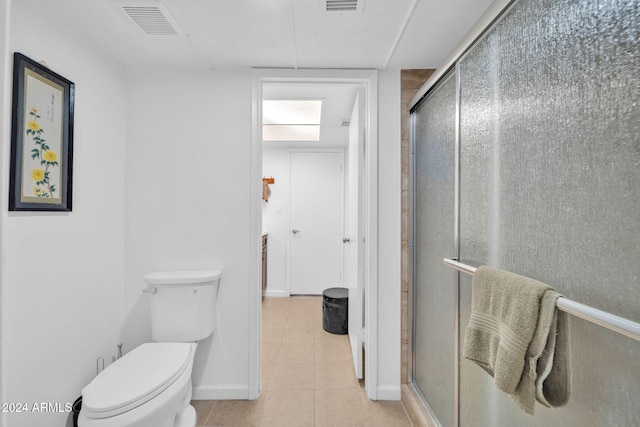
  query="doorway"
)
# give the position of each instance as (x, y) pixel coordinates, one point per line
(366, 273)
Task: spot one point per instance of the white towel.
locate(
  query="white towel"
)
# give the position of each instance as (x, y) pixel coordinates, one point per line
(516, 334)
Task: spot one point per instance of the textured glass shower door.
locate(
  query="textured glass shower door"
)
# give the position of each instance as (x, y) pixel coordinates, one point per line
(433, 239)
(550, 189)
(545, 110)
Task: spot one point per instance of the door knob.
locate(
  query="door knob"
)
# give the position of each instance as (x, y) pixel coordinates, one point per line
(346, 240)
(295, 231)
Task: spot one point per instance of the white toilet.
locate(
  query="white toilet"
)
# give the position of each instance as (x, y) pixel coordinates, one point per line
(151, 385)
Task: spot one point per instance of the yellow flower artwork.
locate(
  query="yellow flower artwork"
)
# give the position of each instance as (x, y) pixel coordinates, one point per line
(37, 174)
(50, 156)
(41, 167)
(48, 159)
(33, 125)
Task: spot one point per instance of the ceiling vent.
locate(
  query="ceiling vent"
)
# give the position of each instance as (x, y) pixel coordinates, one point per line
(153, 20)
(342, 5)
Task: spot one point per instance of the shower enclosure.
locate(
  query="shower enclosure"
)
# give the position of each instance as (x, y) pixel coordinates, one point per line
(526, 157)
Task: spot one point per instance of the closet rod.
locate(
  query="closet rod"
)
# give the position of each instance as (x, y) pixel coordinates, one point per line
(607, 320)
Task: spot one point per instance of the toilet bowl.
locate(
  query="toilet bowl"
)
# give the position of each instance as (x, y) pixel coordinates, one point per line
(151, 385)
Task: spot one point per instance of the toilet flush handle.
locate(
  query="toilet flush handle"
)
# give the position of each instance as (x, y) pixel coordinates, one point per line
(150, 290)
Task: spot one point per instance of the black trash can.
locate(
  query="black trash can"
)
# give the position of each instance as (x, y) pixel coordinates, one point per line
(335, 310)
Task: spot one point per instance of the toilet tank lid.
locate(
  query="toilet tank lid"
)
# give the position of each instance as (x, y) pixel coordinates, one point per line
(181, 277)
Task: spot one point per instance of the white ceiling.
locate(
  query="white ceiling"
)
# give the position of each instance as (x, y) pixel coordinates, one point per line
(275, 33)
(381, 34)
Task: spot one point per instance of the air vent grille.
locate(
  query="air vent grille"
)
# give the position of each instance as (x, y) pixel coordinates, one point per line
(152, 20)
(342, 5)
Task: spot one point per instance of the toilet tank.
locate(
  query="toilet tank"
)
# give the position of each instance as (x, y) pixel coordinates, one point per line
(183, 304)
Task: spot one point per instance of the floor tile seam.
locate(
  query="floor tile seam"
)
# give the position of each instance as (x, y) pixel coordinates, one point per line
(345, 386)
(296, 348)
(301, 322)
(271, 328)
(317, 388)
(305, 315)
(293, 388)
(368, 412)
(291, 327)
(301, 337)
(297, 342)
(267, 318)
(363, 407)
(317, 363)
(284, 361)
(309, 332)
(334, 357)
(297, 327)
(302, 316)
(215, 402)
(295, 364)
(280, 316)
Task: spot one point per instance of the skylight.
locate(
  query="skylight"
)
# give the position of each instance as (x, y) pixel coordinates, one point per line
(291, 120)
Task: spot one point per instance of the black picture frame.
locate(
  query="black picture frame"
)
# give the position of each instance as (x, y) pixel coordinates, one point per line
(41, 174)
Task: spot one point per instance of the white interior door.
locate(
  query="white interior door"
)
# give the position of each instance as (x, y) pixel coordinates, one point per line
(355, 223)
(315, 255)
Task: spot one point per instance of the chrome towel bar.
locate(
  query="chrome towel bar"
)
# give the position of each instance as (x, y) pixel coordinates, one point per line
(607, 320)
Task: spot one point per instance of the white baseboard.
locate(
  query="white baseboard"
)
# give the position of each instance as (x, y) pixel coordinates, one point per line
(279, 294)
(221, 392)
(389, 392)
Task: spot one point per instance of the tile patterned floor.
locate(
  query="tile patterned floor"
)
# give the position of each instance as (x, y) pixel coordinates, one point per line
(307, 377)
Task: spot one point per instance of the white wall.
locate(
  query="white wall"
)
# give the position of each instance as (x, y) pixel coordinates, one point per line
(389, 235)
(187, 200)
(61, 274)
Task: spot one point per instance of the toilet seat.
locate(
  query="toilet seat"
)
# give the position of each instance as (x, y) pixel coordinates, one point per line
(136, 378)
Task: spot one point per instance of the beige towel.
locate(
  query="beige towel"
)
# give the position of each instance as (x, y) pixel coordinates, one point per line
(266, 191)
(516, 334)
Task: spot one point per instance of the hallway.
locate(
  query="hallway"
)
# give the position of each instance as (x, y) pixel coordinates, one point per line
(307, 377)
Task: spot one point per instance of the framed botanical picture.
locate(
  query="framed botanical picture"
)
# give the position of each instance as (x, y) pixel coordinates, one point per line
(41, 138)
